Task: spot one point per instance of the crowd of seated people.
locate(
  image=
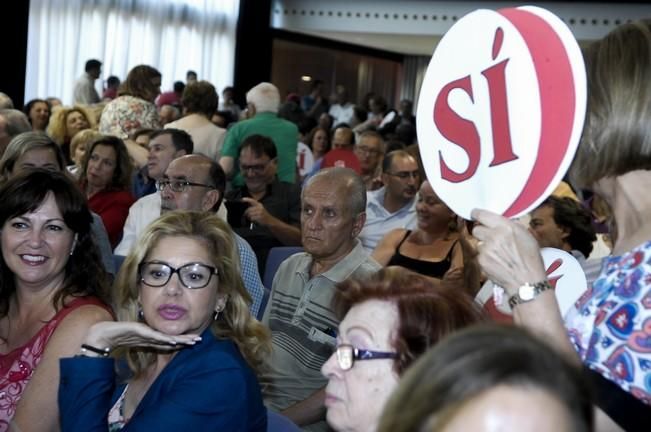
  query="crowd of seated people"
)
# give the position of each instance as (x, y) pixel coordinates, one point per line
(364, 328)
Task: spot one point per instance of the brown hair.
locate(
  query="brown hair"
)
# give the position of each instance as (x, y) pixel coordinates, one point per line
(139, 83)
(200, 97)
(426, 312)
(123, 168)
(617, 136)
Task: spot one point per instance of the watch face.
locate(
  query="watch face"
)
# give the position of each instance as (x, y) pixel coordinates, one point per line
(526, 292)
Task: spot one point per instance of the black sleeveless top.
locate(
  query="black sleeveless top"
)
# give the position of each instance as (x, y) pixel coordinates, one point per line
(435, 269)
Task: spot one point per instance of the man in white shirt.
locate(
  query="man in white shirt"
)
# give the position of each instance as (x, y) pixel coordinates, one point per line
(84, 92)
(342, 111)
(394, 205)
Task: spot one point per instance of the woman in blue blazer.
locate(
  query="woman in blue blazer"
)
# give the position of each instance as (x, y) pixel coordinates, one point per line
(185, 333)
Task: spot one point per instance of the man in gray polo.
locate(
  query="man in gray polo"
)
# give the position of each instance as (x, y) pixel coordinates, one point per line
(300, 314)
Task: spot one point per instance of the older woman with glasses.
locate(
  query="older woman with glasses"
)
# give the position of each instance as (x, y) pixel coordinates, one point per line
(390, 320)
(185, 330)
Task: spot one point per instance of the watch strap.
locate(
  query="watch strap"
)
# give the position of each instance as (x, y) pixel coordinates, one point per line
(538, 288)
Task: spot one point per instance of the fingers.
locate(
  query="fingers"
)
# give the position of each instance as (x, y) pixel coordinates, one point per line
(250, 201)
(487, 218)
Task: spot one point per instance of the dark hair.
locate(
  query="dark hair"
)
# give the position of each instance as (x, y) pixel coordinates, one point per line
(92, 64)
(344, 126)
(260, 145)
(310, 137)
(190, 72)
(218, 179)
(84, 271)
(179, 86)
(142, 131)
(389, 157)
(571, 215)
(475, 360)
(112, 81)
(139, 83)
(200, 97)
(28, 107)
(180, 139)
(292, 112)
(426, 312)
(123, 168)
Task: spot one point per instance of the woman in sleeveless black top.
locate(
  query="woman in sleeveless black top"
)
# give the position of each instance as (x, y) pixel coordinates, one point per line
(434, 249)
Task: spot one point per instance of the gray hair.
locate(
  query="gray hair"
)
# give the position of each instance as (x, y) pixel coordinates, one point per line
(24, 143)
(5, 101)
(347, 179)
(265, 97)
(17, 121)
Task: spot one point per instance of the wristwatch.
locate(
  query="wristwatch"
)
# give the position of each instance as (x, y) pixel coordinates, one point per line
(528, 292)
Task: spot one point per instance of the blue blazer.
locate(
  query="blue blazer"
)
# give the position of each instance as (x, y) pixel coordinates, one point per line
(206, 387)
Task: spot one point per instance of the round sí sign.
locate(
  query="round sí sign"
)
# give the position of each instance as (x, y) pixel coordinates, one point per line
(501, 110)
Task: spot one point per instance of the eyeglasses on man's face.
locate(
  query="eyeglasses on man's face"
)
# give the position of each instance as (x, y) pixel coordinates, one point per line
(367, 150)
(179, 185)
(255, 169)
(192, 275)
(404, 175)
(348, 354)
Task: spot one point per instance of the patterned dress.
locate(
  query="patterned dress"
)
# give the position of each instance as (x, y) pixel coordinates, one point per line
(126, 114)
(611, 324)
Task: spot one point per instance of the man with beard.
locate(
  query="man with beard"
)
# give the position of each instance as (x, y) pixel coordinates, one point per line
(394, 205)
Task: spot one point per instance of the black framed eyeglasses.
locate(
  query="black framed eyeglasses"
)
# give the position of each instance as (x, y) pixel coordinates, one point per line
(404, 175)
(256, 169)
(347, 355)
(191, 275)
(179, 185)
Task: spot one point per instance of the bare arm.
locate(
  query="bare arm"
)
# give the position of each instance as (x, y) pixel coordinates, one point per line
(308, 411)
(137, 152)
(38, 408)
(387, 246)
(227, 163)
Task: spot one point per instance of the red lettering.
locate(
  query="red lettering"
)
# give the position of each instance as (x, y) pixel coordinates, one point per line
(457, 130)
(551, 269)
(496, 78)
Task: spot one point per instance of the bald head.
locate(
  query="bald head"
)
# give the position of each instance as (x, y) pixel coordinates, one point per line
(199, 182)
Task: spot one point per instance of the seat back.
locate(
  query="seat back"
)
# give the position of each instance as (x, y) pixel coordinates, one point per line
(279, 423)
(276, 256)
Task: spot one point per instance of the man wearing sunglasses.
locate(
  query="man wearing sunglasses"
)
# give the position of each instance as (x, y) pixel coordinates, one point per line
(192, 182)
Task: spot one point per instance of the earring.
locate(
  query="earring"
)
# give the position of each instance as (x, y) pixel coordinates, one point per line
(217, 314)
(141, 314)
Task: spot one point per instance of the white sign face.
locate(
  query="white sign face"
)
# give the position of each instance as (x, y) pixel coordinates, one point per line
(564, 273)
(501, 110)
(566, 276)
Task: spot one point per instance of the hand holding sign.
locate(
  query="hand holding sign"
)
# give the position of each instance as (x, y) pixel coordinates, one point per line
(501, 110)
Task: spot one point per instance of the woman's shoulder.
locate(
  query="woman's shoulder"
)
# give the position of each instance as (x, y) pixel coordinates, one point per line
(83, 310)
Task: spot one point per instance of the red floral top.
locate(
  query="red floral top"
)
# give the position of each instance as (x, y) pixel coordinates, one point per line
(17, 366)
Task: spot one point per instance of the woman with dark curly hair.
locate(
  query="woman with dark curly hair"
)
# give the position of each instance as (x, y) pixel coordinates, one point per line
(106, 179)
(391, 319)
(53, 286)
